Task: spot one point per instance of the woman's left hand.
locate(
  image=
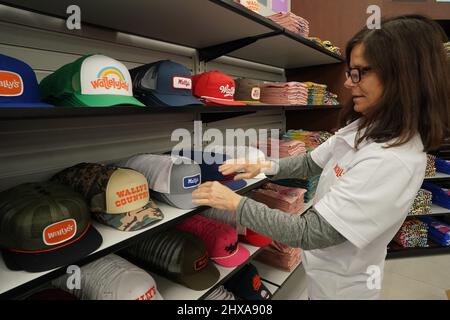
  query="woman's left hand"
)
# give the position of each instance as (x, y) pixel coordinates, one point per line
(216, 195)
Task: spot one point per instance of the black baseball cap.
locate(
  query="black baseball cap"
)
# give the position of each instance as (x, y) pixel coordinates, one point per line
(44, 226)
(247, 285)
(163, 83)
(176, 255)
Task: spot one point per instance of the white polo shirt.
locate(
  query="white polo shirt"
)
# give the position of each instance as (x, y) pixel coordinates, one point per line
(365, 195)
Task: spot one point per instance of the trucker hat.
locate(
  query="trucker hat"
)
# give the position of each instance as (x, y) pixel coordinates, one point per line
(44, 226)
(92, 81)
(215, 88)
(18, 84)
(112, 278)
(220, 239)
(247, 285)
(248, 90)
(209, 163)
(170, 179)
(118, 197)
(163, 83)
(176, 255)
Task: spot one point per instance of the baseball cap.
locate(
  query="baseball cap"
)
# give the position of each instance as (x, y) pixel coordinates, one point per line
(176, 255)
(92, 81)
(247, 285)
(163, 83)
(209, 163)
(18, 84)
(215, 88)
(118, 197)
(112, 278)
(248, 90)
(226, 217)
(220, 239)
(220, 293)
(255, 239)
(44, 226)
(170, 179)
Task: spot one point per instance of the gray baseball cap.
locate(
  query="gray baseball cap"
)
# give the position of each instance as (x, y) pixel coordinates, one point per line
(171, 179)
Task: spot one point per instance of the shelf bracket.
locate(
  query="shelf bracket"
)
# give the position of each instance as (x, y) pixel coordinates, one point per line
(218, 50)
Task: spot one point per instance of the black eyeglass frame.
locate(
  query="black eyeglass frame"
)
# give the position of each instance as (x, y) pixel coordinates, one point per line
(356, 77)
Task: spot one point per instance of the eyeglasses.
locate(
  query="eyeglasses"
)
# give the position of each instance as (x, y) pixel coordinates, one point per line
(356, 74)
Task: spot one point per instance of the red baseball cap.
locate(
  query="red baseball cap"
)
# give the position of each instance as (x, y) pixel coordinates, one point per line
(215, 88)
(255, 239)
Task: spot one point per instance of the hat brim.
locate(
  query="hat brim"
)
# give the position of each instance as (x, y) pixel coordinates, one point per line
(241, 255)
(212, 102)
(201, 280)
(26, 105)
(181, 201)
(177, 101)
(105, 100)
(133, 220)
(235, 184)
(255, 239)
(44, 261)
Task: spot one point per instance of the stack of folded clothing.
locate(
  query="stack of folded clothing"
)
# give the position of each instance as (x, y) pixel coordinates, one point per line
(316, 93)
(438, 231)
(312, 139)
(326, 44)
(291, 22)
(290, 200)
(309, 184)
(291, 93)
(280, 256)
(286, 148)
(442, 165)
(421, 204)
(330, 99)
(413, 233)
(430, 170)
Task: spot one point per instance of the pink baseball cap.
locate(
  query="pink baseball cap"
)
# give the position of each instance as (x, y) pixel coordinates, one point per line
(220, 239)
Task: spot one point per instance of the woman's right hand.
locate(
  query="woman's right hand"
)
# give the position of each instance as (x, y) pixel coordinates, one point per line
(245, 169)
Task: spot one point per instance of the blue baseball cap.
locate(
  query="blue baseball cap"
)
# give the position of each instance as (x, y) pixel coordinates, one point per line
(209, 166)
(163, 83)
(18, 84)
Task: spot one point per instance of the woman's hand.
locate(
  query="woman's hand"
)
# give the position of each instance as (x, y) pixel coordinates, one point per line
(246, 170)
(216, 195)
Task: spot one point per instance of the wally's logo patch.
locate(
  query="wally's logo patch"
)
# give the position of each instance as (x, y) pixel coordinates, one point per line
(11, 84)
(110, 78)
(191, 182)
(60, 232)
(256, 93)
(227, 91)
(182, 83)
(131, 195)
(201, 263)
(338, 171)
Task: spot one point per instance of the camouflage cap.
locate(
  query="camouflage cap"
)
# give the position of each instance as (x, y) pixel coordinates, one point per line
(43, 226)
(118, 197)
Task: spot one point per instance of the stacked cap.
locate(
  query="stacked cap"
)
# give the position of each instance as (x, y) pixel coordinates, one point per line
(220, 294)
(171, 179)
(215, 88)
(220, 239)
(112, 278)
(179, 256)
(18, 84)
(118, 197)
(247, 285)
(44, 226)
(209, 165)
(248, 90)
(91, 81)
(163, 83)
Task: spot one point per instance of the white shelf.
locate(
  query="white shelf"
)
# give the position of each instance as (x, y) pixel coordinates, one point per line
(435, 209)
(272, 274)
(111, 237)
(273, 289)
(174, 291)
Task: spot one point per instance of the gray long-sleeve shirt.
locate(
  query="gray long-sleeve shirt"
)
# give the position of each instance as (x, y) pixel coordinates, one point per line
(308, 231)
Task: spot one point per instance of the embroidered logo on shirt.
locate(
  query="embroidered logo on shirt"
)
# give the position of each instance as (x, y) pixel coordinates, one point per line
(338, 171)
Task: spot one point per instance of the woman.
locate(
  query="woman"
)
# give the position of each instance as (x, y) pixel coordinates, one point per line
(370, 170)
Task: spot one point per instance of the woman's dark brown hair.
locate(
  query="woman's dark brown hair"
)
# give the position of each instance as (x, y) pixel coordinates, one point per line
(408, 56)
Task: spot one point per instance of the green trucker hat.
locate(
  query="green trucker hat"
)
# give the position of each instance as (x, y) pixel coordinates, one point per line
(44, 226)
(91, 81)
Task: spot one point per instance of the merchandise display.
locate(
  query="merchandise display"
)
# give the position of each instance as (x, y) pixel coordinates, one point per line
(247, 285)
(413, 233)
(220, 294)
(421, 204)
(248, 90)
(215, 88)
(289, 93)
(438, 231)
(291, 22)
(430, 170)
